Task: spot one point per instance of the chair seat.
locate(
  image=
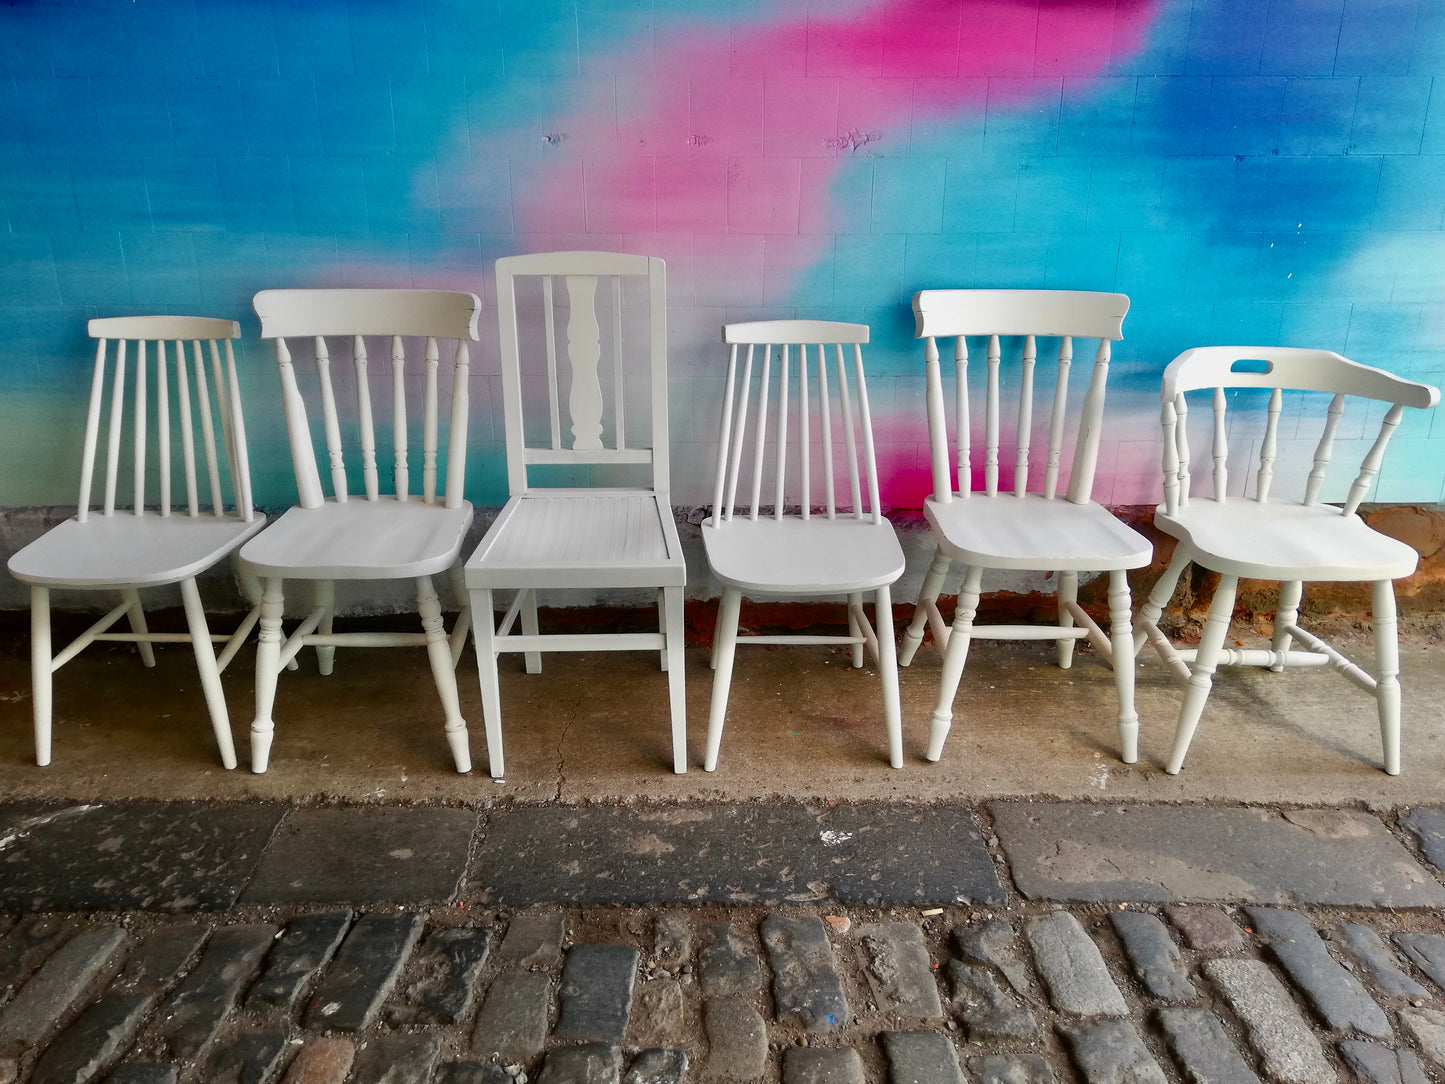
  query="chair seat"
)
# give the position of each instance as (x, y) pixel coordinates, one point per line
(1284, 540)
(360, 540)
(580, 538)
(814, 555)
(126, 550)
(1031, 533)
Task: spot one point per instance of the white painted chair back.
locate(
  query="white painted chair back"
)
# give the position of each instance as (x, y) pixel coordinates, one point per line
(1228, 371)
(574, 397)
(187, 440)
(407, 328)
(993, 318)
(797, 435)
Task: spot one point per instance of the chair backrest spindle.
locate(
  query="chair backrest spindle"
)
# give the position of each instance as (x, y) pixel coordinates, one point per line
(385, 321)
(777, 416)
(1279, 369)
(162, 414)
(997, 316)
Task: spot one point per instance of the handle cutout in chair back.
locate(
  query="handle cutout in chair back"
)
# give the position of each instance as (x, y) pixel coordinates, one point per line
(1258, 366)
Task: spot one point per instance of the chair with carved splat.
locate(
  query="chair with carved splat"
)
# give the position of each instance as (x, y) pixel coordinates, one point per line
(181, 405)
(584, 379)
(1260, 535)
(824, 533)
(383, 532)
(1046, 520)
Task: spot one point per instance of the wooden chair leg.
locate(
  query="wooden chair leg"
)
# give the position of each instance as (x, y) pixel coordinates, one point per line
(954, 658)
(137, 616)
(439, 651)
(1387, 673)
(1068, 592)
(1201, 672)
(676, 671)
(855, 604)
(205, 653)
(484, 640)
(1121, 638)
(932, 585)
(725, 642)
(325, 601)
(42, 679)
(1285, 615)
(1159, 597)
(533, 659)
(888, 671)
(268, 670)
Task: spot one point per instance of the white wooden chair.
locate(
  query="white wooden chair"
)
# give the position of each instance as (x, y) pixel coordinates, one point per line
(1258, 535)
(382, 532)
(182, 398)
(814, 524)
(1043, 519)
(583, 336)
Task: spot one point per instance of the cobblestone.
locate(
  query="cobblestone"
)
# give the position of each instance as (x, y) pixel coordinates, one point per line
(364, 971)
(590, 1063)
(597, 984)
(921, 1057)
(1370, 952)
(534, 941)
(658, 1066)
(1111, 1052)
(33, 1013)
(994, 943)
(1342, 1002)
(398, 1058)
(737, 1039)
(322, 1060)
(250, 1058)
(1289, 1050)
(726, 964)
(1153, 954)
(1427, 1027)
(440, 984)
(1207, 929)
(897, 969)
(305, 945)
(1203, 1049)
(513, 1022)
(1072, 967)
(806, 984)
(144, 1072)
(985, 1008)
(1011, 1069)
(198, 1006)
(815, 1065)
(1376, 1064)
(1426, 951)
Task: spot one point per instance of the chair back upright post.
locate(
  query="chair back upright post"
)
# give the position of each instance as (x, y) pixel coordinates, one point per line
(1221, 369)
(388, 318)
(996, 315)
(190, 413)
(577, 348)
(831, 404)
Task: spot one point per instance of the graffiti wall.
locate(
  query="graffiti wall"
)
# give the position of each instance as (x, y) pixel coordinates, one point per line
(1244, 171)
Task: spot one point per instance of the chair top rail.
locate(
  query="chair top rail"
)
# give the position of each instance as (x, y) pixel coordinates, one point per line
(1296, 368)
(1080, 313)
(163, 327)
(576, 263)
(443, 314)
(794, 332)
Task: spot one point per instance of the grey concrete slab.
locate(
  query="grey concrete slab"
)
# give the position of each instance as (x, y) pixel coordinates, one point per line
(1159, 853)
(868, 853)
(153, 856)
(365, 854)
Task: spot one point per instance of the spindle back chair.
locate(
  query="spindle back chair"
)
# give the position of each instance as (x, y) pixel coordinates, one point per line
(173, 427)
(796, 436)
(1043, 517)
(1262, 532)
(377, 524)
(584, 378)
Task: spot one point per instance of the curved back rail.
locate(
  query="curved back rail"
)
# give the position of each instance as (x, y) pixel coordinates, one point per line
(402, 326)
(995, 317)
(181, 373)
(1221, 369)
(800, 385)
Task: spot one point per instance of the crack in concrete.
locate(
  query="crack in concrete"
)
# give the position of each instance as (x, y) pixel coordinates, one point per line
(562, 745)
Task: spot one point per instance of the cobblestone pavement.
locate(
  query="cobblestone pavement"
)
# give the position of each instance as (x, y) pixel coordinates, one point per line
(1012, 988)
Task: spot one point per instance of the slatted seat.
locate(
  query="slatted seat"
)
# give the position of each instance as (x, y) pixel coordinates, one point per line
(404, 534)
(182, 397)
(584, 374)
(796, 421)
(1049, 521)
(1255, 532)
